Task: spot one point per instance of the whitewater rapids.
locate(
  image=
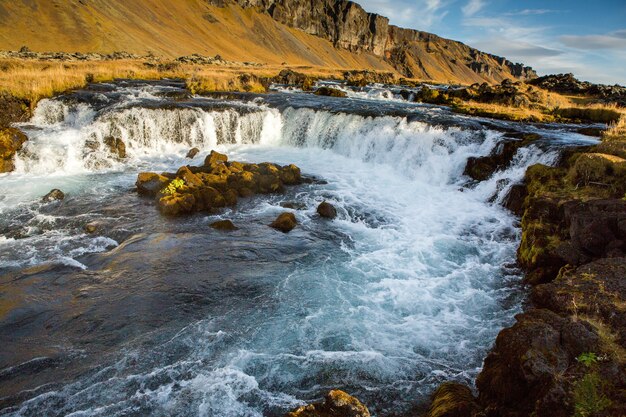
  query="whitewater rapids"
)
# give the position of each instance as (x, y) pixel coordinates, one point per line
(406, 289)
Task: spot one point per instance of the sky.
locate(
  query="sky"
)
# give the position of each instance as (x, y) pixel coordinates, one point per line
(584, 37)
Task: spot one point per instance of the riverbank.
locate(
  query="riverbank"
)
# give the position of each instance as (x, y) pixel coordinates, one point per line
(566, 354)
(563, 184)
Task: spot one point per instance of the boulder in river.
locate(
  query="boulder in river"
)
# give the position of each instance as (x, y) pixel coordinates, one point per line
(192, 153)
(54, 195)
(452, 399)
(115, 146)
(224, 225)
(91, 227)
(11, 141)
(215, 158)
(327, 210)
(285, 222)
(214, 185)
(336, 404)
(330, 92)
(149, 183)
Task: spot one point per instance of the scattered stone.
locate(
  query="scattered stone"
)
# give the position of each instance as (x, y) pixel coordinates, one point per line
(91, 228)
(336, 404)
(285, 222)
(215, 158)
(216, 184)
(192, 153)
(293, 205)
(116, 146)
(327, 210)
(11, 141)
(54, 195)
(149, 183)
(224, 225)
(452, 399)
(330, 92)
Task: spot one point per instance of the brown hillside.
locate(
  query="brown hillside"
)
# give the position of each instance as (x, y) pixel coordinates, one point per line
(321, 33)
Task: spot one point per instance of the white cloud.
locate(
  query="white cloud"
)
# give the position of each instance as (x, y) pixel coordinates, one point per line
(612, 40)
(472, 7)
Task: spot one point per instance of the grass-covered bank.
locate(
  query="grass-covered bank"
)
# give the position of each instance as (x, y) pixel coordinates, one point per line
(566, 354)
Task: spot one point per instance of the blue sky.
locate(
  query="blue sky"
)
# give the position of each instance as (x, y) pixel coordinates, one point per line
(587, 38)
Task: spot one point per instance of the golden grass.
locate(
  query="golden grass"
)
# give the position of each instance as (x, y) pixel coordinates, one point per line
(33, 80)
(499, 111)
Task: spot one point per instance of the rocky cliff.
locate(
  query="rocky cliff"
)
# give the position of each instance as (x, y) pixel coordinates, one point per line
(413, 53)
(321, 33)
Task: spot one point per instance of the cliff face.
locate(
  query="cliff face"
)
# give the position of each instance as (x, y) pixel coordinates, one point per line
(322, 33)
(413, 53)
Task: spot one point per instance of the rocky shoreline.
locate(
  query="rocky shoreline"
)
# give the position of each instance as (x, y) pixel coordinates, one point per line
(566, 353)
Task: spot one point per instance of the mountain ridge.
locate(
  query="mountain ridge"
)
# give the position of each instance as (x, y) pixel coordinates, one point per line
(324, 33)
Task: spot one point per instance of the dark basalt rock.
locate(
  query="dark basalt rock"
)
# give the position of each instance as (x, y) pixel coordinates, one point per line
(224, 225)
(330, 92)
(452, 399)
(54, 195)
(216, 184)
(285, 222)
(11, 141)
(327, 210)
(482, 168)
(514, 200)
(115, 146)
(336, 404)
(192, 153)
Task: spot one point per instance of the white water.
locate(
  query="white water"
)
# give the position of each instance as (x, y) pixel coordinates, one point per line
(412, 292)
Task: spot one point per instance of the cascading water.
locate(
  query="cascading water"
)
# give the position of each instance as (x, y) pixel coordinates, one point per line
(405, 289)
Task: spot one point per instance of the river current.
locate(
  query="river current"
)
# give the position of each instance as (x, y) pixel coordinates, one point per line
(155, 316)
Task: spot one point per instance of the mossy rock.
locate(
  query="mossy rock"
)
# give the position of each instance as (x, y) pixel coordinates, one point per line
(149, 183)
(452, 399)
(330, 92)
(285, 222)
(11, 141)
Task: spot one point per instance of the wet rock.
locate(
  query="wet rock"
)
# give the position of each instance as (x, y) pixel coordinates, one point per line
(525, 368)
(54, 195)
(330, 92)
(327, 210)
(224, 225)
(215, 158)
(514, 200)
(11, 141)
(452, 399)
(192, 153)
(290, 175)
(285, 222)
(214, 185)
(175, 205)
(336, 404)
(115, 146)
(91, 228)
(149, 183)
(482, 168)
(293, 205)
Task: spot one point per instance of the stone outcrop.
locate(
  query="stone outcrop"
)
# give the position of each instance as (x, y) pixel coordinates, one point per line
(215, 185)
(413, 53)
(568, 84)
(566, 355)
(11, 141)
(285, 222)
(336, 404)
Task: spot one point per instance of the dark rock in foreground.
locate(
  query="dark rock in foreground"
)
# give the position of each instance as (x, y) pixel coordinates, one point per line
(224, 225)
(336, 404)
(285, 222)
(330, 92)
(327, 210)
(216, 184)
(54, 195)
(11, 141)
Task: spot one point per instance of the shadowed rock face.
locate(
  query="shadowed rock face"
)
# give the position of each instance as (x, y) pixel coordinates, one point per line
(413, 53)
